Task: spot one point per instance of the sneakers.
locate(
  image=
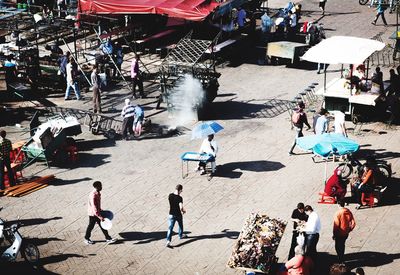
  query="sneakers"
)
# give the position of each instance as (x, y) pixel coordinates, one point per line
(184, 236)
(203, 172)
(88, 241)
(168, 244)
(111, 241)
(383, 189)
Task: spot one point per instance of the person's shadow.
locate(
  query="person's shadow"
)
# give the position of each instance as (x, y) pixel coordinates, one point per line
(369, 258)
(226, 233)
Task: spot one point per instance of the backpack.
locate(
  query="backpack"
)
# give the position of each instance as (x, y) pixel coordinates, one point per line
(296, 116)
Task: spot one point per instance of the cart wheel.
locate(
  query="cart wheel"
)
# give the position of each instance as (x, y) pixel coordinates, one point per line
(110, 134)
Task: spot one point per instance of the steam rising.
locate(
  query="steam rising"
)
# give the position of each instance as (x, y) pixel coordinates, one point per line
(186, 97)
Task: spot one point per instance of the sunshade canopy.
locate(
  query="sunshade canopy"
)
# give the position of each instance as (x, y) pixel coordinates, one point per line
(194, 10)
(342, 50)
(328, 144)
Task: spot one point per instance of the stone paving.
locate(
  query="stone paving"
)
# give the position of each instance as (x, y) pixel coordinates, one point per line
(255, 174)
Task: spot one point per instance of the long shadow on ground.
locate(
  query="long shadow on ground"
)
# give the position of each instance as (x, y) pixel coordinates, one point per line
(228, 170)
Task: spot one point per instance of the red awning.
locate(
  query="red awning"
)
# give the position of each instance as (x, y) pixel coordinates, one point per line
(194, 10)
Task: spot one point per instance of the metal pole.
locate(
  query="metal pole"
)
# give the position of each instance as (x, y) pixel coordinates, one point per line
(76, 53)
(325, 79)
(79, 66)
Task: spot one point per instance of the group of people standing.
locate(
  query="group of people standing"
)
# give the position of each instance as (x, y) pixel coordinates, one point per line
(320, 122)
(306, 234)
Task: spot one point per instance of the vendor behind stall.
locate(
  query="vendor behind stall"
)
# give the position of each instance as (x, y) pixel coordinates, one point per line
(11, 70)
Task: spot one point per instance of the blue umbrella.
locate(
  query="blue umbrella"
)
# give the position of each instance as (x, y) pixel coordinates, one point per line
(206, 128)
(328, 144)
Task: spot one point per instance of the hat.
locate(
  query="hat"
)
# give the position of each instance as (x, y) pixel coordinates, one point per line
(127, 101)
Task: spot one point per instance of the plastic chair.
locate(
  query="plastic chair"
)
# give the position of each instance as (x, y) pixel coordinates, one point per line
(325, 199)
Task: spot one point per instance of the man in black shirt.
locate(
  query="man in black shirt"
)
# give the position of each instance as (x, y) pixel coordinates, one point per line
(175, 213)
(298, 216)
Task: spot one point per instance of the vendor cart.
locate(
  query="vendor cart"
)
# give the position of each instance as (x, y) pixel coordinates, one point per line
(257, 244)
(43, 148)
(339, 92)
(49, 139)
(286, 49)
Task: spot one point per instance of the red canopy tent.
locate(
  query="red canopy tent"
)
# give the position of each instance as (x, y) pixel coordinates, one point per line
(194, 10)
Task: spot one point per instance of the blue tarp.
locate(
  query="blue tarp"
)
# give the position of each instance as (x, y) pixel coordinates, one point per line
(327, 144)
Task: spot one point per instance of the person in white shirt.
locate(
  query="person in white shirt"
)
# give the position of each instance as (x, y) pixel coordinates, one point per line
(72, 74)
(322, 124)
(210, 147)
(312, 230)
(340, 127)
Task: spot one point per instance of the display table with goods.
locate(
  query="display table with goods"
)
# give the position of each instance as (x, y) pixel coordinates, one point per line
(257, 244)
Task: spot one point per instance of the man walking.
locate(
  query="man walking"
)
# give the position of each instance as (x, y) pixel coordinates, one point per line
(322, 6)
(94, 77)
(312, 229)
(176, 212)
(380, 11)
(72, 82)
(5, 149)
(128, 113)
(135, 76)
(94, 209)
(62, 62)
(343, 224)
(299, 118)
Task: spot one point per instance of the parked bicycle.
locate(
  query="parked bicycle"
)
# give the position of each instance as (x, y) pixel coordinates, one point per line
(381, 166)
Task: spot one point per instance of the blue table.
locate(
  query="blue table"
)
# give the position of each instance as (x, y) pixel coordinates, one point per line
(193, 156)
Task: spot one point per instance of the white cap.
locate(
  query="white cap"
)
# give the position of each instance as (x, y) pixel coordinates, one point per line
(127, 101)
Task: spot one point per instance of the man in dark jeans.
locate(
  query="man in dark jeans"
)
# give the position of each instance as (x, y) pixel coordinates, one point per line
(299, 118)
(94, 209)
(298, 216)
(343, 224)
(312, 230)
(176, 211)
(5, 149)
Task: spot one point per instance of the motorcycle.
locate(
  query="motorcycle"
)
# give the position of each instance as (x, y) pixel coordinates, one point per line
(10, 235)
(381, 167)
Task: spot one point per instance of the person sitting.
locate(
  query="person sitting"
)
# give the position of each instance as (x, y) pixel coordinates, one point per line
(394, 87)
(377, 81)
(353, 77)
(364, 185)
(138, 122)
(11, 69)
(299, 264)
(336, 186)
(210, 147)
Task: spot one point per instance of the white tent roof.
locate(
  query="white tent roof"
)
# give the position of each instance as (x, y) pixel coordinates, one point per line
(342, 50)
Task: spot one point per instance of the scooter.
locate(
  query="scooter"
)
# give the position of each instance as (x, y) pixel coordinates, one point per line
(13, 238)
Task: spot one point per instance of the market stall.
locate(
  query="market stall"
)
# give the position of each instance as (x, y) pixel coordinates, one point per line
(340, 92)
(257, 244)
